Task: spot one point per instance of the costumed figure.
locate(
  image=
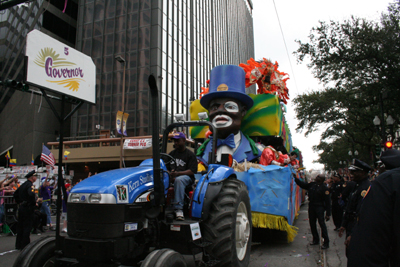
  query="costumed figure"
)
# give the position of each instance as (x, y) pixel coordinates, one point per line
(270, 81)
(270, 156)
(227, 103)
(268, 78)
(293, 160)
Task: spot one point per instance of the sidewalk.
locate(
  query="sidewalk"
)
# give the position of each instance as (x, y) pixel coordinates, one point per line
(274, 251)
(335, 256)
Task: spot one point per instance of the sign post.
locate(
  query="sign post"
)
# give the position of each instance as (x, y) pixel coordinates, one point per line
(53, 66)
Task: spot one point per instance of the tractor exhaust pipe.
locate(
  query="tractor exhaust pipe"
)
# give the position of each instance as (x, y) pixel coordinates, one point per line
(157, 172)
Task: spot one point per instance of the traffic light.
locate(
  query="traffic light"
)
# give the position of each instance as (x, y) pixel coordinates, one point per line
(378, 150)
(17, 85)
(389, 144)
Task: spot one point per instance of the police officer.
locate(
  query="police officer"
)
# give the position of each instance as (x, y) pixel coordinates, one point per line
(359, 173)
(318, 195)
(26, 198)
(336, 191)
(375, 240)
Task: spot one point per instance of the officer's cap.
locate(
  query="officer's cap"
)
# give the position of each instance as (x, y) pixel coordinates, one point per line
(391, 158)
(359, 165)
(30, 174)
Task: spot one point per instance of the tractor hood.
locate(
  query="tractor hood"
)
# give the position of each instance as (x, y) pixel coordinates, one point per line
(124, 184)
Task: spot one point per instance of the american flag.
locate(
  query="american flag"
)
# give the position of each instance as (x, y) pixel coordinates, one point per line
(47, 156)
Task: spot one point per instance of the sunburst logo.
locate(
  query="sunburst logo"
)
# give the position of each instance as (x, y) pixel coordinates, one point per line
(59, 68)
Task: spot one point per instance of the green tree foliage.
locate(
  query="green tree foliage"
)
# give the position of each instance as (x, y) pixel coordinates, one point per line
(356, 60)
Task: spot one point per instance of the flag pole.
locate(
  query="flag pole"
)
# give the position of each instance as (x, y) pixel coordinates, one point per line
(60, 184)
(42, 150)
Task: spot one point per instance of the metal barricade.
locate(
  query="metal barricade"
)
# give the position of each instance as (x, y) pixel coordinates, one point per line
(7, 199)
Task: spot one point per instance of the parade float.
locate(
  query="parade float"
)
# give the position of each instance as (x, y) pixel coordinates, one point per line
(275, 198)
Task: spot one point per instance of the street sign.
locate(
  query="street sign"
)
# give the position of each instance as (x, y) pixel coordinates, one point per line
(55, 66)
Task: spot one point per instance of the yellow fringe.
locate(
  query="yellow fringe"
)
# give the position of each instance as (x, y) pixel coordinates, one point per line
(264, 220)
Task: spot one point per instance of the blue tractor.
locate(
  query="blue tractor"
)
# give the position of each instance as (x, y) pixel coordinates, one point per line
(124, 217)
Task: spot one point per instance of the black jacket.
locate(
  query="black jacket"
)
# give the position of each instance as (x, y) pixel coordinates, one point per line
(375, 240)
(336, 191)
(25, 194)
(354, 204)
(318, 194)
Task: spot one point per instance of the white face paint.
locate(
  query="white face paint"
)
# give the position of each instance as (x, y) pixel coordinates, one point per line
(231, 106)
(222, 121)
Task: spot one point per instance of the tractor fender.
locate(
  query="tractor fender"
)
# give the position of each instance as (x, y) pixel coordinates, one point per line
(208, 188)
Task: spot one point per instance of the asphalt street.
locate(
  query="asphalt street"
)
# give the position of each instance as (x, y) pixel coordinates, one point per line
(273, 251)
(276, 252)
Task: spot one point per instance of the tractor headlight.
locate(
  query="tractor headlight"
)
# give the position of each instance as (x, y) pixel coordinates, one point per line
(92, 198)
(146, 197)
(95, 198)
(74, 198)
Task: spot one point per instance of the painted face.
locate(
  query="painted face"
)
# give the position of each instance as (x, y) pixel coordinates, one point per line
(226, 114)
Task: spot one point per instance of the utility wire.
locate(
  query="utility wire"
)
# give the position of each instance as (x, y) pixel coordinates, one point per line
(283, 37)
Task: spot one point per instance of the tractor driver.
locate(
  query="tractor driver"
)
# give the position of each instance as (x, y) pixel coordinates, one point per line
(227, 104)
(182, 174)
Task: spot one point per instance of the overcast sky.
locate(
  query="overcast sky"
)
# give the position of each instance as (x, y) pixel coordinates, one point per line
(297, 19)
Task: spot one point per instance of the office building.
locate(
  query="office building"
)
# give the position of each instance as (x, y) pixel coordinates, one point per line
(179, 41)
(26, 120)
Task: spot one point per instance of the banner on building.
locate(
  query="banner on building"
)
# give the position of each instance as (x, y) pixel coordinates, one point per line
(137, 143)
(124, 123)
(118, 121)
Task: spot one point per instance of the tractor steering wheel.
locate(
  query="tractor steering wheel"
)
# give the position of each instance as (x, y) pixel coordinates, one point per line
(172, 160)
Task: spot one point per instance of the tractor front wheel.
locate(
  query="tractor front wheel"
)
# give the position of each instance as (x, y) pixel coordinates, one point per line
(40, 253)
(164, 258)
(228, 226)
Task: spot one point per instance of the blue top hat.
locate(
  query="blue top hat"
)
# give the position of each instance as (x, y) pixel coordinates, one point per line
(227, 81)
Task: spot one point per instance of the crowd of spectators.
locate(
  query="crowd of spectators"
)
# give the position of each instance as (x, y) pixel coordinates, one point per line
(7, 187)
(44, 198)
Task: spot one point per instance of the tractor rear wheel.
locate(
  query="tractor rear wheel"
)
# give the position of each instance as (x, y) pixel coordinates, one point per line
(40, 253)
(164, 258)
(228, 226)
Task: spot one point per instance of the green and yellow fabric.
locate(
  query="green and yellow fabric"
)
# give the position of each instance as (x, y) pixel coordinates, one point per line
(265, 118)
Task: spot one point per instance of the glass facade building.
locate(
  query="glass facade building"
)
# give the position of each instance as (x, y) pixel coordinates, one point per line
(26, 120)
(15, 23)
(179, 41)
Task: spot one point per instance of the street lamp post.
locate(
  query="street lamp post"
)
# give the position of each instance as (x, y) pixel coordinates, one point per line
(381, 130)
(397, 138)
(122, 60)
(351, 154)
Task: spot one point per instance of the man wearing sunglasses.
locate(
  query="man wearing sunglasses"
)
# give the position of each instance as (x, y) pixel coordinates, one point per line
(359, 174)
(318, 195)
